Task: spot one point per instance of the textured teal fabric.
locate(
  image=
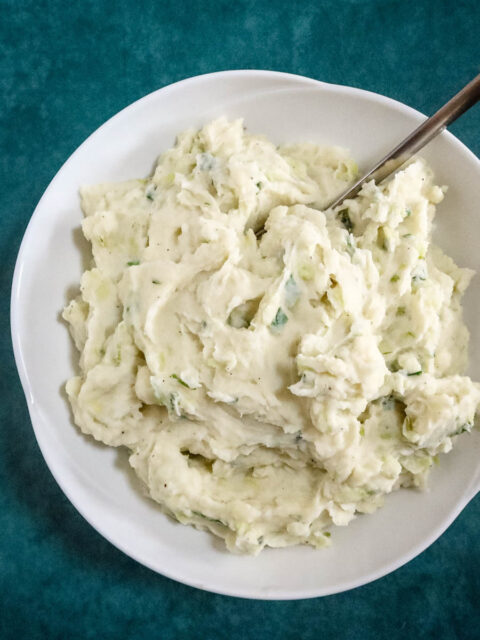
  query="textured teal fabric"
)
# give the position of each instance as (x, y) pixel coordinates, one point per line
(65, 67)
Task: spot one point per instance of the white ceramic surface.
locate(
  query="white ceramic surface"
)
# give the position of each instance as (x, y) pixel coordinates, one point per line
(96, 478)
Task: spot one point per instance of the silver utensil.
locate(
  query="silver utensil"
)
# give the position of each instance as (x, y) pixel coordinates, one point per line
(421, 136)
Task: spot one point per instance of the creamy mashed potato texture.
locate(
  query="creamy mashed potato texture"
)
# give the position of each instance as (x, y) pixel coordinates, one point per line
(274, 368)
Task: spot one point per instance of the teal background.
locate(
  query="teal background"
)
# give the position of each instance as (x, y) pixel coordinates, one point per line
(64, 69)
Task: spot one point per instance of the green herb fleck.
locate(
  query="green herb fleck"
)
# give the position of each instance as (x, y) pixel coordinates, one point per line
(327, 534)
(417, 279)
(156, 282)
(292, 292)
(259, 185)
(408, 213)
(206, 162)
(343, 216)
(350, 245)
(174, 404)
(150, 191)
(279, 320)
(395, 278)
(382, 239)
(388, 402)
(178, 379)
(133, 263)
(465, 427)
(401, 311)
(415, 373)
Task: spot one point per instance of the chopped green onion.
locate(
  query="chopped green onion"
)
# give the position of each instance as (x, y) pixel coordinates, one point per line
(350, 245)
(173, 404)
(206, 162)
(465, 427)
(382, 239)
(292, 292)
(279, 320)
(389, 402)
(344, 218)
(150, 191)
(178, 379)
(418, 278)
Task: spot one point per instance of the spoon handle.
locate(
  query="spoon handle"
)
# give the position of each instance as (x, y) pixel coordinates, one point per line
(422, 135)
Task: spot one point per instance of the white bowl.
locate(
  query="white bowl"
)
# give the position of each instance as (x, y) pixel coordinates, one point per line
(96, 478)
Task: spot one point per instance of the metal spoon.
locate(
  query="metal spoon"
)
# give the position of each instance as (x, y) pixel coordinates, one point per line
(422, 135)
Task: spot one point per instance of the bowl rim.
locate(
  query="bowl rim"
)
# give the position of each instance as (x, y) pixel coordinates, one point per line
(274, 593)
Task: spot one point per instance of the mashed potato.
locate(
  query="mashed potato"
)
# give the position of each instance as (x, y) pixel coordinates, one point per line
(269, 385)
